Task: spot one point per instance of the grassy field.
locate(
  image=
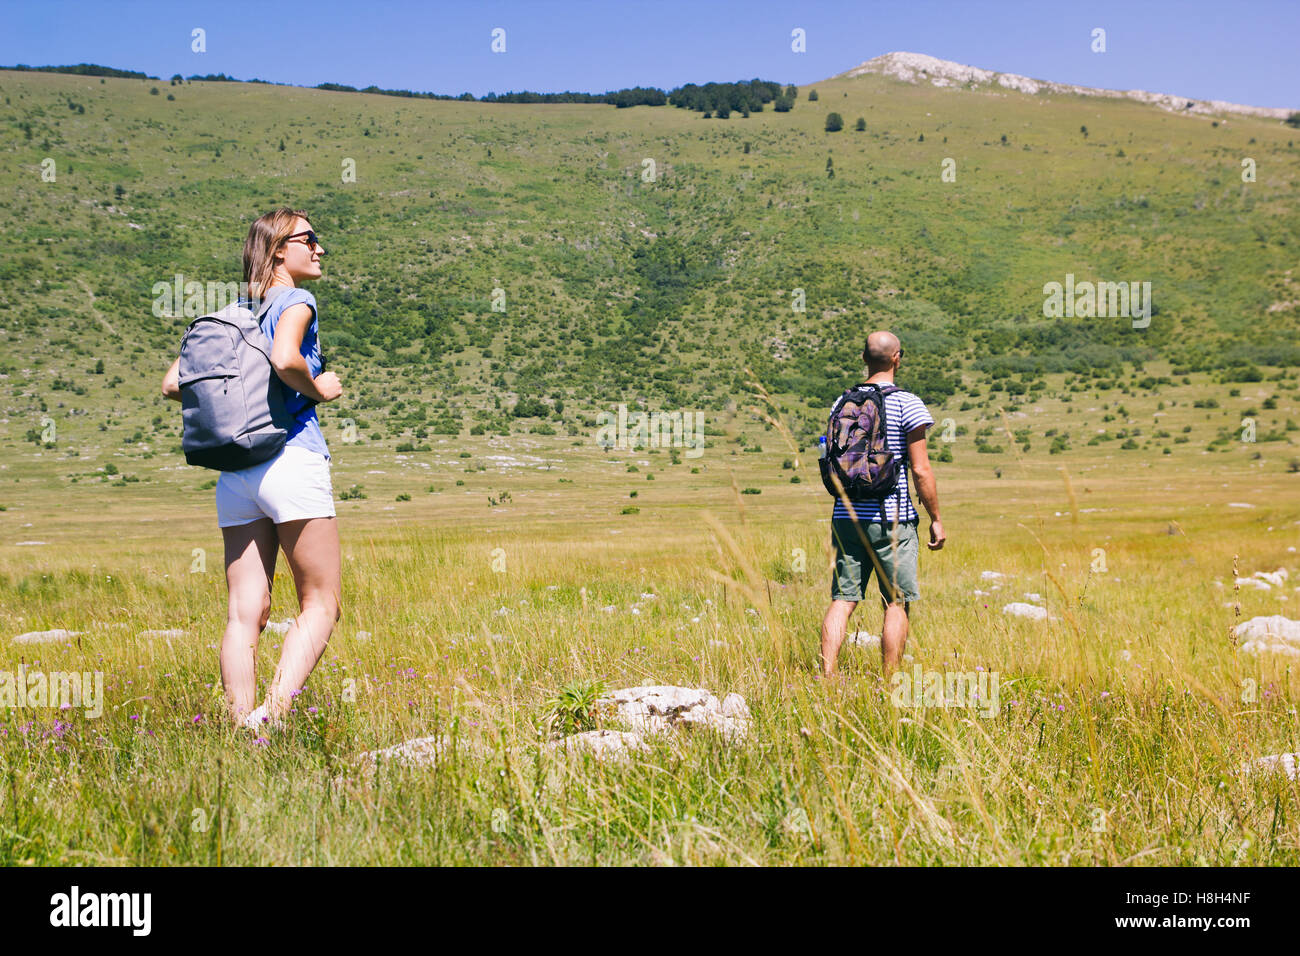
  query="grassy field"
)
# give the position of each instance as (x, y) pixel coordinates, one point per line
(493, 559)
(1119, 739)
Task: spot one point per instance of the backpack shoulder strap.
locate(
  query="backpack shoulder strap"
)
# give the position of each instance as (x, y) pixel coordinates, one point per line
(266, 303)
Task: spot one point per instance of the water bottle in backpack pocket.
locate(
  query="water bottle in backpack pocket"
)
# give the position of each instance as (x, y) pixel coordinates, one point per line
(232, 402)
(857, 455)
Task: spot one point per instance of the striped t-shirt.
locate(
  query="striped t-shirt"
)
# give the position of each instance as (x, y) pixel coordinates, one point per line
(903, 412)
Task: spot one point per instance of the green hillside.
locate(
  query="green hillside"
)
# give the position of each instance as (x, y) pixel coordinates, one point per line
(619, 289)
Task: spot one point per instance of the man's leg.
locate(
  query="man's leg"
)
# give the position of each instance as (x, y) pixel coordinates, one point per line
(893, 639)
(899, 562)
(834, 625)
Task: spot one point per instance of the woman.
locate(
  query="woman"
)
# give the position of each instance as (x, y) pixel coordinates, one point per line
(287, 501)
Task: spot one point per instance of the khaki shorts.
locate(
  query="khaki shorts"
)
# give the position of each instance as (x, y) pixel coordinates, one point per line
(853, 565)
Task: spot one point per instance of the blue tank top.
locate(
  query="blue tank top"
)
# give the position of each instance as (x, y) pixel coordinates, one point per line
(305, 431)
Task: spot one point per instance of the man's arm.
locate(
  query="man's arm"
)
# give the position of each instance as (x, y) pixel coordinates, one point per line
(927, 489)
(170, 387)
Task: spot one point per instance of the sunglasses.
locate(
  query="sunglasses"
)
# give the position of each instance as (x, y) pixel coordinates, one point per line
(310, 241)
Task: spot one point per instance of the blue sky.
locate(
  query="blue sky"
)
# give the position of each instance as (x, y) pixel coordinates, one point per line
(1240, 52)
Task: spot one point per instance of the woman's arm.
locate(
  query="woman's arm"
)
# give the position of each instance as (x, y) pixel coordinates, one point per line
(170, 386)
(288, 361)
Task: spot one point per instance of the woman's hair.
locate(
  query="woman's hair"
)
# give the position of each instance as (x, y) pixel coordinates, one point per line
(265, 236)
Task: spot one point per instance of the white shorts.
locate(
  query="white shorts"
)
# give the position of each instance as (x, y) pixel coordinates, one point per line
(293, 485)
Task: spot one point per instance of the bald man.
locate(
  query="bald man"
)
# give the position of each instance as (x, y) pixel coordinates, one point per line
(880, 535)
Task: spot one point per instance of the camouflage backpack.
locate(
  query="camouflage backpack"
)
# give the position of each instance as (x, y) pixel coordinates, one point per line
(857, 446)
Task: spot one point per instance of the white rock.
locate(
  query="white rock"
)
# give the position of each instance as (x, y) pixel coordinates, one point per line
(1289, 764)
(1274, 627)
(1034, 597)
(1276, 578)
(1270, 647)
(279, 627)
(417, 752)
(991, 576)
(1253, 583)
(733, 705)
(661, 708)
(863, 639)
(1239, 504)
(167, 634)
(45, 637)
(1020, 609)
(603, 744)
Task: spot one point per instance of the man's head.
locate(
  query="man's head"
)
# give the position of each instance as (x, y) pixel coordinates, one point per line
(882, 352)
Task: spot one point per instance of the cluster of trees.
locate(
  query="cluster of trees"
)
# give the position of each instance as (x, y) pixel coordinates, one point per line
(83, 69)
(719, 99)
(222, 78)
(632, 96)
(745, 97)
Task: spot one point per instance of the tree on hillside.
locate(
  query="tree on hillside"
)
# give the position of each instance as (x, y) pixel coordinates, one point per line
(1293, 120)
(812, 96)
(860, 125)
(833, 123)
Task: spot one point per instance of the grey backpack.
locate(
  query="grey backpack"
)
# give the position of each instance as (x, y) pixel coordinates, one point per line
(233, 413)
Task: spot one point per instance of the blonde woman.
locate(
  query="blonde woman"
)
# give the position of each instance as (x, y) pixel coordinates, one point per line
(288, 501)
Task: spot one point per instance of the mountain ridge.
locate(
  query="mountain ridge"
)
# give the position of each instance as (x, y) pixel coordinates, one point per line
(910, 67)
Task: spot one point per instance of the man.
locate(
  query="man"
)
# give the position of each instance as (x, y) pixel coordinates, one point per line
(881, 534)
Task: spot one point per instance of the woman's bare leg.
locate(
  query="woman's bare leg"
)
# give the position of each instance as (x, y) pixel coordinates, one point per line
(250, 567)
(312, 548)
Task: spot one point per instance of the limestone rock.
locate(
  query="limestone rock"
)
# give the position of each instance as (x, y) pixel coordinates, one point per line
(603, 744)
(1273, 634)
(1289, 764)
(863, 639)
(417, 752)
(662, 708)
(53, 636)
(1276, 578)
(1021, 609)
